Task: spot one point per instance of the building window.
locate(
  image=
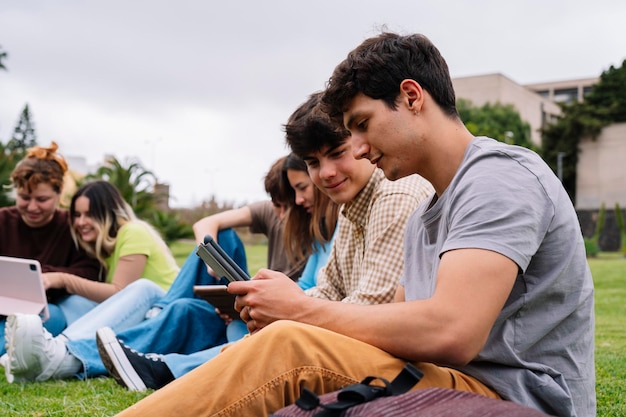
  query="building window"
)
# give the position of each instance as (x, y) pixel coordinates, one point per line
(544, 93)
(566, 95)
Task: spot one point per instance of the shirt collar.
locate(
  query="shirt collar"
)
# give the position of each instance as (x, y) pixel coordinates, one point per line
(357, 209)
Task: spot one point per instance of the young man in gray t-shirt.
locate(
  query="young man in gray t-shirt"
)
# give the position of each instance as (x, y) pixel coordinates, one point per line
(496, 296)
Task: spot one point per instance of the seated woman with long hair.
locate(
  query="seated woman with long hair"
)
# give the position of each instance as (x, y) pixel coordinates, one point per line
(128, 249)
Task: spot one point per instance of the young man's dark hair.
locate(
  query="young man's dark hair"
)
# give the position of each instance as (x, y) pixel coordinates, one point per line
(309, 129)
(377, 67)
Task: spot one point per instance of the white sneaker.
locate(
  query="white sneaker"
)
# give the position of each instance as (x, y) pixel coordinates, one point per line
(34, 354)
(4, 362)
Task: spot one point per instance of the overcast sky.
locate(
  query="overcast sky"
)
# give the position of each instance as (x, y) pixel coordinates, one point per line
(199, 90)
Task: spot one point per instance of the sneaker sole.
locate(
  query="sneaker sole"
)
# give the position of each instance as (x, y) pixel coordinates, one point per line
(116, 362)
(17, 368)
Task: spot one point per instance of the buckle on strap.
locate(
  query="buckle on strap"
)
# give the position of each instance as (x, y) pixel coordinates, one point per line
(362, 392)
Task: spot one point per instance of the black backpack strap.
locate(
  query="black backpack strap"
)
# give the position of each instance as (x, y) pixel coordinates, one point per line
(361, 393)
(308, 400)
(406, 379)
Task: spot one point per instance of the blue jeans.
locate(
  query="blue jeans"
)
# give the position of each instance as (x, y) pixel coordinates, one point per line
(75, 306)
(180, 364)
(124, 309)
(55, 324)
(129, 306)
(194, 270)
(186, 325)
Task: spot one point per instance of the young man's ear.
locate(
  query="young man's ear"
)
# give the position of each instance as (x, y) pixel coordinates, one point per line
(412, 95)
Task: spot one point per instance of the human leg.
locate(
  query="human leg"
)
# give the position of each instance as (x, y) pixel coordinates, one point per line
(131, 369)
(187, 325)
(75, 306)
(56, 320)
(125, 309)
(194, 271)
(247, 378)
(36, 355)
(2, 322)
(55, 324)
(235, 330)
(180, 365)
(138, 371)
(33, 354)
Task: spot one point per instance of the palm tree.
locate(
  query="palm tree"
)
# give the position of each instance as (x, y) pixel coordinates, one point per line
(134, 182)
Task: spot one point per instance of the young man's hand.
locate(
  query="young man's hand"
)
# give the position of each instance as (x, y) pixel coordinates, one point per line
(267, 297)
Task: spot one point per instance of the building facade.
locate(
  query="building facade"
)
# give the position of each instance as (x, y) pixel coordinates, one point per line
(601, 170)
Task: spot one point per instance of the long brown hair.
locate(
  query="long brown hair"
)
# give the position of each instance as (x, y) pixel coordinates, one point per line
(109, 212)
(301, 228)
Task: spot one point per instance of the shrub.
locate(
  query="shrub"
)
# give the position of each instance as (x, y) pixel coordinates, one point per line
(620, 224)
(591, 247)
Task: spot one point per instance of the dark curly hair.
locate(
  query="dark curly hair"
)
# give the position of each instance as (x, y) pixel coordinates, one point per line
(309, 129)
(378, 66)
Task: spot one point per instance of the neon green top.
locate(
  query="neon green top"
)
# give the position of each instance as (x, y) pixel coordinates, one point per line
(134, 238)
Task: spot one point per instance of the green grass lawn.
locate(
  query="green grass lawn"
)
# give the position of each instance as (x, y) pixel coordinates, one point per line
(609, 273)
(103, 397)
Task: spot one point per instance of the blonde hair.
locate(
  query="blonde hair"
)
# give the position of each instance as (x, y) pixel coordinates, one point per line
(109, 211)
(41, 165)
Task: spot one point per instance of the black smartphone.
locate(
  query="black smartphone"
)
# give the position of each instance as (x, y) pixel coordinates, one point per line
(219, 297)
(223, 265)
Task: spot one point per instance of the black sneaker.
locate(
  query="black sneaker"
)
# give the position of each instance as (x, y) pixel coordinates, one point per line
(131, 369)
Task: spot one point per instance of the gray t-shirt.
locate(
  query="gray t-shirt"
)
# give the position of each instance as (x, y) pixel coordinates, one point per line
(540, 351)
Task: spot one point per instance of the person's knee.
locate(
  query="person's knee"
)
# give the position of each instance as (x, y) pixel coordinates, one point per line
(287, 331)
(143, 288)
(142, 284)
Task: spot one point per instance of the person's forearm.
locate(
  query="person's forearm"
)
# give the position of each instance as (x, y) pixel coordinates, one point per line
(129, 268)
(391, 327)
(211, 225)
(85, 269)
(95, 291)
(203, 227)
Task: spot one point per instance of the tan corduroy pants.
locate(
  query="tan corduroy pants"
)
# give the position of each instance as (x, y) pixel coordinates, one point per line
(266, 371)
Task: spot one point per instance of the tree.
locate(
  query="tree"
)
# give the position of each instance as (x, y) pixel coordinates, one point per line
(608, 96)
(137, 186)
(3, 56)
(134, 183)
(605, 104)
(24, 136)
(170, 226)
(592, 244)
(622, 229)
(8, 160)
(498, 121)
